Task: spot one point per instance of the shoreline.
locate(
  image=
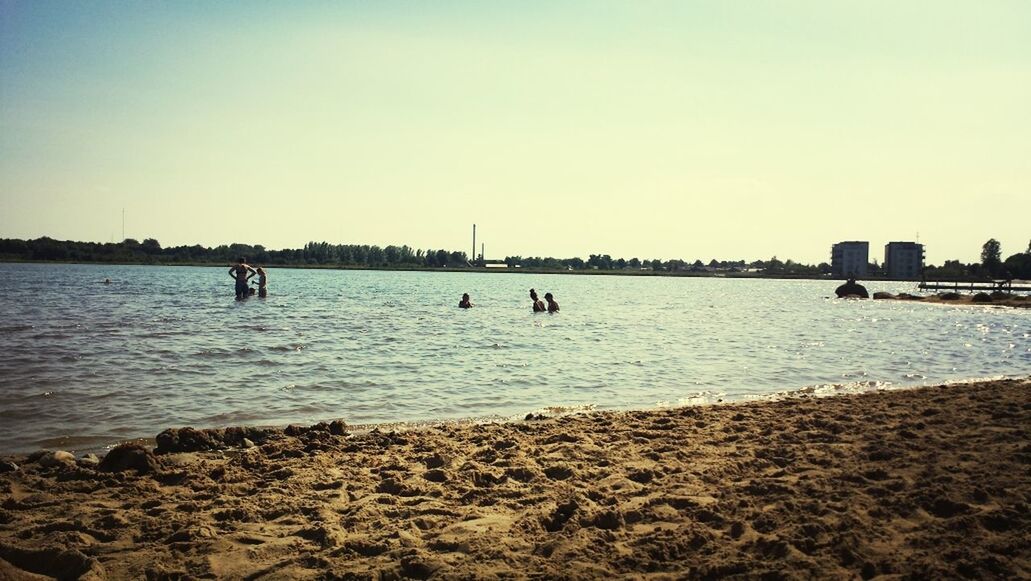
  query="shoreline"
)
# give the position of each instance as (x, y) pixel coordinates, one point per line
(467, 269)
(820, 390)
(927, 481)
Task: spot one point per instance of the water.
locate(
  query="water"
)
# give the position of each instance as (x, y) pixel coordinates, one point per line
(84, 364)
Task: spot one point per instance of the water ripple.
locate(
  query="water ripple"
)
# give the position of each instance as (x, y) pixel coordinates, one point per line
(386, 347)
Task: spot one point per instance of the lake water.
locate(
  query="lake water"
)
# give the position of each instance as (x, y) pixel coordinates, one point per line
(84, 365)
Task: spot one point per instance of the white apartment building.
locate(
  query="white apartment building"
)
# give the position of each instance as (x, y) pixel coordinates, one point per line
(850, 259)
(903, 259)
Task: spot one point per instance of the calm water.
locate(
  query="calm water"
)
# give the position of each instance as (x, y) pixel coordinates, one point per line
(83, 364)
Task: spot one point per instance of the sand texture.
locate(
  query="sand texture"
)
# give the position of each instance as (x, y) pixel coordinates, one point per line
(928, 483)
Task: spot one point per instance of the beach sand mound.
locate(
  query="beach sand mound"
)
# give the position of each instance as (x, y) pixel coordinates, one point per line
(928, 483)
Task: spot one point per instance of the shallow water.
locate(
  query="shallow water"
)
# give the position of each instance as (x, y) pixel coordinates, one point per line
(84, 364)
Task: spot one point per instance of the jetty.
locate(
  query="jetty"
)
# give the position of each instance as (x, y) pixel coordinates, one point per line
(1005, 286)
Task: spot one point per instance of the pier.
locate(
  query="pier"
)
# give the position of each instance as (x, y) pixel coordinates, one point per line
(983, 286)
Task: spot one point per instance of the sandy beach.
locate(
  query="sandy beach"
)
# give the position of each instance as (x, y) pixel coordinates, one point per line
(929, 483)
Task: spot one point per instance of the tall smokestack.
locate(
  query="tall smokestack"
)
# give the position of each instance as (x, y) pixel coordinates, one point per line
(474, 244)
(483, 253)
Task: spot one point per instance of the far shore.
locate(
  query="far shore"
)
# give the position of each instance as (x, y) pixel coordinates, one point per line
(470, 269)
(917, 483)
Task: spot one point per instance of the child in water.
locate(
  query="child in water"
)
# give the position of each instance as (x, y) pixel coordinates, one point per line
(465, 303)
(262, 282)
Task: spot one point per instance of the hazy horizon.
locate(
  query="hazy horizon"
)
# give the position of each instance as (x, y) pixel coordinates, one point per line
(651, 129)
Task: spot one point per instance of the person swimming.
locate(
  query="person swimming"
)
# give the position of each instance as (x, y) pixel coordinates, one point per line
(465, 303)
(538, 304)
(552, 304)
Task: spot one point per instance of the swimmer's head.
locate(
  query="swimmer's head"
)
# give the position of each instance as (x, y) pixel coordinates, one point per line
(548, 296)
(241, 260)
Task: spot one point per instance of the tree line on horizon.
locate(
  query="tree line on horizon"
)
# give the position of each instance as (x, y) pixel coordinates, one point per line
(150, 251)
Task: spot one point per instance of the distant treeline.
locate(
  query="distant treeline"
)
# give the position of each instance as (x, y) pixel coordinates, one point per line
(991, 266)
(773, 266)
(150, 251)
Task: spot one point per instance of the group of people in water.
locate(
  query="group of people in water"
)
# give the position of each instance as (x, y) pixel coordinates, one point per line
(538, 304)
(242, 273)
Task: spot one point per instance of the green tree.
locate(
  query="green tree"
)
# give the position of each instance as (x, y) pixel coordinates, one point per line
(1018, 266)
(151, 246)
(991, 256)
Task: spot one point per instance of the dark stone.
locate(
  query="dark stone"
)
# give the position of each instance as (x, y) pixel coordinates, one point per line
(337, 428)
(949, 296)
(129, 457)
(852, 289)
(883, 295)
(982, 298)
(294, 430)
(6, 466)
(186, 440)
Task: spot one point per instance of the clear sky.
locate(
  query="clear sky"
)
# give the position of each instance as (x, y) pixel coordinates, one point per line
(683, 129)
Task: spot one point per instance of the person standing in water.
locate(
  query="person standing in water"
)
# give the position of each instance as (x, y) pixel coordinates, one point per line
(241, 273)
(465, 303)
(538, 304)
(552, 305)
(262, 282)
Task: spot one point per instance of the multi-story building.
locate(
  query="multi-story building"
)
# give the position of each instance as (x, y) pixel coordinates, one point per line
(903, 259)
(850, 259)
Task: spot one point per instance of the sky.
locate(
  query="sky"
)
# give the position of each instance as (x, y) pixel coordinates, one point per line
(682, 129)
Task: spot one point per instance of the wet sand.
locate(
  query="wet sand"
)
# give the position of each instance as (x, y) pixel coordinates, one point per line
(932, 483)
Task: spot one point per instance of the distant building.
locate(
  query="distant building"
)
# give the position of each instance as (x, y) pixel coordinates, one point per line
(850, 259)
(903, 259)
